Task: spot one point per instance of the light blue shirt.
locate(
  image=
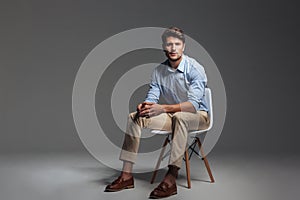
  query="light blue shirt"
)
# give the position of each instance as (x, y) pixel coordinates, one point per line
(186, 83)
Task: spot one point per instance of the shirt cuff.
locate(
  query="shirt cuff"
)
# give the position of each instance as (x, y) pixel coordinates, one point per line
(150, 100)
(195, 104)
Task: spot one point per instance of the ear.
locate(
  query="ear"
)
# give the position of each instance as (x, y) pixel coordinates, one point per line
(163, 46)
(183, 47)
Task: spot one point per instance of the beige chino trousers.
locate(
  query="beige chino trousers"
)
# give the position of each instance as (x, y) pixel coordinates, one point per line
(178, 123)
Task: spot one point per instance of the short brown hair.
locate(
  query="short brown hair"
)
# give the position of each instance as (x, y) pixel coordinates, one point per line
(173, 32)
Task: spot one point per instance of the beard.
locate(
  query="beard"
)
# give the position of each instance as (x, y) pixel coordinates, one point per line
(169, 57)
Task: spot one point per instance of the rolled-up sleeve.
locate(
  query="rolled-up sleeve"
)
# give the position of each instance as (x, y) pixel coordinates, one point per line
(198, 82)
(154, 90)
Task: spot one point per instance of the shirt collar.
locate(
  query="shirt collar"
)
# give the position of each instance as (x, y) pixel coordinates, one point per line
(181, 64)
(180, 67)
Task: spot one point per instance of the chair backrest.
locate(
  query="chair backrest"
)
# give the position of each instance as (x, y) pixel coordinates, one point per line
(208, 99)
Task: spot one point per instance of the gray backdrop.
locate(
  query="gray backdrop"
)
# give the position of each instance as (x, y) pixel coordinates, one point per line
(254, 43)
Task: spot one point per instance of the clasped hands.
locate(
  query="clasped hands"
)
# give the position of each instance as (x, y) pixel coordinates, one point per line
(149, 109)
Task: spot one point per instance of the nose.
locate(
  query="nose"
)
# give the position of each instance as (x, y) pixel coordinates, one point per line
(173, 47)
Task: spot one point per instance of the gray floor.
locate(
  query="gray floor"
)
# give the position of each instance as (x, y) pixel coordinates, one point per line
(79, 176)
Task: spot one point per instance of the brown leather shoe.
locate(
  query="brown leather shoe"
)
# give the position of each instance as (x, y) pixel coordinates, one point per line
(163, 190)
(120, 184)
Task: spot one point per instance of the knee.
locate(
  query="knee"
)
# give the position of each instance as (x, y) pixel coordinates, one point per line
(179, 124)
(179, 117)
(132, 117)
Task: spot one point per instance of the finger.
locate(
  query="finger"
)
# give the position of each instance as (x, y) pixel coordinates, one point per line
(139, 107)
(143, 104)
(142, 115)
(145, 108)
(144, 112)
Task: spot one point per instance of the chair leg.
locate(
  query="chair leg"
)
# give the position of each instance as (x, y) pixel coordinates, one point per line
(187, 166)
(205, 160)
(159, 159)
(192, 148)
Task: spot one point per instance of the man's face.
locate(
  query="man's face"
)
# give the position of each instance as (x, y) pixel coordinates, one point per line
(174, 48)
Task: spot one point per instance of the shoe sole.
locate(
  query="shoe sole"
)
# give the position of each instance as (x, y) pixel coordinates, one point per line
(156, 197)
(116, 190)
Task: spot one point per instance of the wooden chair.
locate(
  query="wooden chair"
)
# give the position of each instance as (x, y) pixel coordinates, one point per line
(195, 142)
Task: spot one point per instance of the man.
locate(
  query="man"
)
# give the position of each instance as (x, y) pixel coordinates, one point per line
(181, 80)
